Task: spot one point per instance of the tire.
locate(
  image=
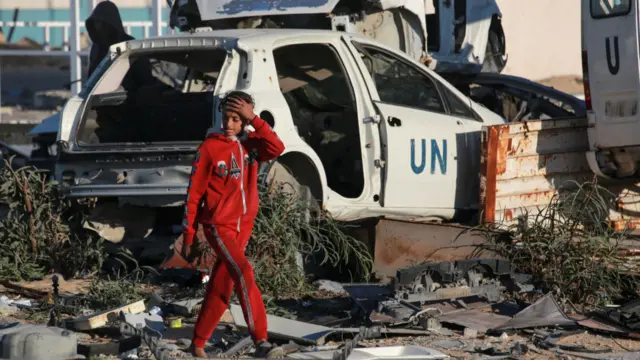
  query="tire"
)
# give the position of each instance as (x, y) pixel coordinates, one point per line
(495, 55)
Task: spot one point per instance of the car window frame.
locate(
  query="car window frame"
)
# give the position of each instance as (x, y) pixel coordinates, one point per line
(449, 93)
(605, 16)
(102, 67)
(336, 54)
(359, 47)
(106, 65)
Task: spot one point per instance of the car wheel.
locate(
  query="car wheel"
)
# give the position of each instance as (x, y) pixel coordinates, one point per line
(495, 55)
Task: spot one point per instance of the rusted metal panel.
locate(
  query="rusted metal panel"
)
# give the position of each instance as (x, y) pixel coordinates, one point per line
(399, 244)
(523, 164)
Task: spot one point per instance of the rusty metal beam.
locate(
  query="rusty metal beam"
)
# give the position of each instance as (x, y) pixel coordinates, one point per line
(399, 244)
(523, 164)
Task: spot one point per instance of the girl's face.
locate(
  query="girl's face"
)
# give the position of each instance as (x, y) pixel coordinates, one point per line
(231, 123)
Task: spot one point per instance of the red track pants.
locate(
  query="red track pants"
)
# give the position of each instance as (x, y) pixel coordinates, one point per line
(232, 269)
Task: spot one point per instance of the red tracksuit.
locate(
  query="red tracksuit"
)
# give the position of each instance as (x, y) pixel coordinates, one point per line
(223, 196)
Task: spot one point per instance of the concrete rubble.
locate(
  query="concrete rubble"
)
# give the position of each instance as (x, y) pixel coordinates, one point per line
(22, 341)
(350, 321)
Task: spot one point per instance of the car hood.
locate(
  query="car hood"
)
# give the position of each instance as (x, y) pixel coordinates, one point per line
(488, 116)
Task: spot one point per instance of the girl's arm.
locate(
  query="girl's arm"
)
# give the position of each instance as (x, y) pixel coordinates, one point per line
(265, 140)
(198, 180)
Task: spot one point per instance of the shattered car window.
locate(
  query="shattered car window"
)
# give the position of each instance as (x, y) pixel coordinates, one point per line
(162, 96)
(399, 83)
(316, 87)
(609, 8)
(459, 107)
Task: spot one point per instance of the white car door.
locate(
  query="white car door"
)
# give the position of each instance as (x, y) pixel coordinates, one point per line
(424, 147)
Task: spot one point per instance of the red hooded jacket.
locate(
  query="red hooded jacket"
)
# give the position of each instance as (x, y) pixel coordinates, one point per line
(224, 178)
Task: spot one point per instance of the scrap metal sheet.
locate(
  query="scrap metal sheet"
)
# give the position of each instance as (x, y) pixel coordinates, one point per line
(478, 320)
(544, 312)
(399, 244)
(523, 164)
(216, 10)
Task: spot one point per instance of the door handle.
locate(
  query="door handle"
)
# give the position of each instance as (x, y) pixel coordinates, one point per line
(393, 122)
(459, 122)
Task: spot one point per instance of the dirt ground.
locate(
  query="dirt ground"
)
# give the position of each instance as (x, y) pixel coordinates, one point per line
(73, 286)
(465, 350)
(570, 84)
(590, 341)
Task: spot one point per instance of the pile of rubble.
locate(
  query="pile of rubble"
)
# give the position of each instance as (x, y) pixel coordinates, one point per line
(471, 309)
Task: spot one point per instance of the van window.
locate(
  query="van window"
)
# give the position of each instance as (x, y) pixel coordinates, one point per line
(609, 8)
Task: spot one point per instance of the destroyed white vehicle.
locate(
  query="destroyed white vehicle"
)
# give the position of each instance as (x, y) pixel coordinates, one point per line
(368, 131)
(448, 35)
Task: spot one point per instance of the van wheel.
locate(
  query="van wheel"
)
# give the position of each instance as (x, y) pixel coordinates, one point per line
(495, 55)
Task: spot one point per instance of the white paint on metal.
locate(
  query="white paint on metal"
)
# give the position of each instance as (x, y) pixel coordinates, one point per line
(614, 72)
(473, 48)
(216, 10)
(384, 25)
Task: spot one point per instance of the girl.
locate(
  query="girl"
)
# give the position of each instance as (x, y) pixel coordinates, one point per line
(223, 197)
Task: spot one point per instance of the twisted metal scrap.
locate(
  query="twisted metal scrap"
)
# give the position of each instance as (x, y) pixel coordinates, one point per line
(152, 338)
(365, 333)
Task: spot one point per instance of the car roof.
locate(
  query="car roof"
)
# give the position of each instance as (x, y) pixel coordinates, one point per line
(258, 36)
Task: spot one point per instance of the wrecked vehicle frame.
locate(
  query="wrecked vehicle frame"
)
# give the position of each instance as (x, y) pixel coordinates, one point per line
(337, 154)
(516, 98)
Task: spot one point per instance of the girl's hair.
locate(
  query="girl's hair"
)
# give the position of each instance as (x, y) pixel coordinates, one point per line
(237, 94)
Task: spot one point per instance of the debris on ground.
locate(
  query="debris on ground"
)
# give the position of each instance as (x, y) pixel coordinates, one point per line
(100, 319)
(23, 341)
(543, 295)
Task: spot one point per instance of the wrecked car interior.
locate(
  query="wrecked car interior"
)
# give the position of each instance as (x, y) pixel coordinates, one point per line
(169, 100)
(323, 107)
(515, 98)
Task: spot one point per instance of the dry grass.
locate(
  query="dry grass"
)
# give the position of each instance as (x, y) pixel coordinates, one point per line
(41, 233)
(570, 249)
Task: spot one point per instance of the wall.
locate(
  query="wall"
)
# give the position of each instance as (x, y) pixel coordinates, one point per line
(543, 37)
(62, 4)
(58, 10)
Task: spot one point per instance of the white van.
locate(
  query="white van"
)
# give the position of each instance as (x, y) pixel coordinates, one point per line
(610, 35)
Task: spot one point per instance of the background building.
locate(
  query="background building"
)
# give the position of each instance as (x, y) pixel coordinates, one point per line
(543, 36)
